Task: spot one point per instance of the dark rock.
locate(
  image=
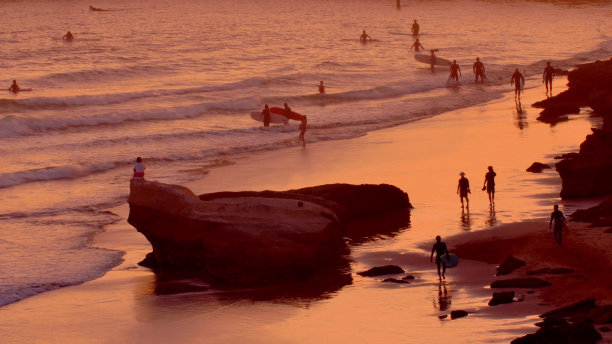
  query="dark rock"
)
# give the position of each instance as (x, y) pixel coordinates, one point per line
(443, 316)
(584, 306)
(537, 167)
(395, 280)
(502, 297)
(601, 315)
(523, 282)
(552, 322)
(605, 329)
(550, 271)
(599, 215)
(557, 112)
(382, 270)
(563, 333)
(508, 265)
(458, 314)
(408, 277)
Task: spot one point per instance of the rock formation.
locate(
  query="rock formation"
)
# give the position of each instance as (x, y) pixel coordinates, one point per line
(252, 237)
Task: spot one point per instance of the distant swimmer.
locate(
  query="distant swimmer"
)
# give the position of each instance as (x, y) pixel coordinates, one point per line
(14, 87)
(455, 71)
(95, 8)
(417, 45)
(415, 28)
(321, 87)
(364, 36)
(518, 81)
(266, 116)
(68, 36)
(479, 70)
(547, 77)
(463, 189)
(303, 127)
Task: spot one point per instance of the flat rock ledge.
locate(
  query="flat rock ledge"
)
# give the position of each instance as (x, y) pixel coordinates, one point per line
(252, 237)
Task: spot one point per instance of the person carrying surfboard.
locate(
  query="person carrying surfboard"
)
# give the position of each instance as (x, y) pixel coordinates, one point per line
(432, 59)
(479, 70)
(14, 87)
(517, 80)
(455, 71)
(439, 247)
(415, 28)
(364, 36)
(547, 77)
(266, 116)
(416, 45)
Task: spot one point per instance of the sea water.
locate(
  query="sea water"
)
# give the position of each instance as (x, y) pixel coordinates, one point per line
(174, 81)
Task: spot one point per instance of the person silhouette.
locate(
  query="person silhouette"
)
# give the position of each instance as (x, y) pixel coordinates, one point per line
(518, 80)
(463, 189)
(455, 71)
(364, 36)
(489, 184)
(321, 87)
(439, 248)
(416, 45)
(415, 28)
(479, 70)
(547, 77)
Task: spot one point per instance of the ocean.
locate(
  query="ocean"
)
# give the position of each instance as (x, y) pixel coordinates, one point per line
(174, 81)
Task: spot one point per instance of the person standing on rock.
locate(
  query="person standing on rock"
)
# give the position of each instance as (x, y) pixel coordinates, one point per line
(489, 184)
(139, 168)
(439, 248)
(557, 222)
(463, 189)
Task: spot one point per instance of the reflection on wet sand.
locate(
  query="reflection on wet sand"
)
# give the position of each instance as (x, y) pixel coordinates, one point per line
(443, 301)
(466, 223)
(492, 220)
(520, 115)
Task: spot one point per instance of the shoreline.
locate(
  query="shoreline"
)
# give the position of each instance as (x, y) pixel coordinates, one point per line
(129, 278)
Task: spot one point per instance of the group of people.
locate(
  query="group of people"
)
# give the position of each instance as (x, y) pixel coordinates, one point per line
(288, 113)
(463, 187)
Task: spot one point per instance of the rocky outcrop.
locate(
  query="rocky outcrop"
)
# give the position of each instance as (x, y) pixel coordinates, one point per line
(249, 238)
(537, 167)
(501, 298)
(599, 215)
(508, 265)
(382, 270)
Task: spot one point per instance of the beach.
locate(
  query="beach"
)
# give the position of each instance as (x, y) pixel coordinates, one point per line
(424, 159)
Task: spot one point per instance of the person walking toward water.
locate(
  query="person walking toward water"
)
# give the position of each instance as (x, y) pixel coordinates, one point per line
(266, 116)
(518, 81)
(455, 71)
(14, 87)
(303, 127)
(489, 184)
(479, 70)
(415, 28)
(321, 87)
(139, 168)
(547, 77)
(364, 36)
(557, 221)
(439, 247)
(463, 189)
(416, 45)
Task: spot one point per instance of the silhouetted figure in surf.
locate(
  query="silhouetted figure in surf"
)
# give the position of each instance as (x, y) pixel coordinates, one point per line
(303, 127)
(415, 28)
(364, 36)
(517, 80)
(489, 184)
(559, 221)
(439, 247)
(14, 87)
(455, 71)
(547, 77)
(463, 189)
(398, 4)
(139, 168)
(266, 116)
(95, 8)
(479, 70)
(68, 36)
(432, 59)
(417, 45)
(321, 87)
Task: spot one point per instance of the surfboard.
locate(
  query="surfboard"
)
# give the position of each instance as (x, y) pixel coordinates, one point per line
(427, 59)
(274, 118)
(449, 261)
(280, 111)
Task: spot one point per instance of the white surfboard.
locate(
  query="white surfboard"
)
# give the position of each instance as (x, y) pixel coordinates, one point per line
(427, 59)
(274, 118)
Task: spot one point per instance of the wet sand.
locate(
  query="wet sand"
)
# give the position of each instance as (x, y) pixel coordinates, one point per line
(422, 158)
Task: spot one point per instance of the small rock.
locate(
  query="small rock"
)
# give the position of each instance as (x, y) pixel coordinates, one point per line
(508, 265)
(382, 270)
(444, 316)
(537, 167)
(524, 282)
(502, 297)
(458, 314)
(395, 280)
(408, 277)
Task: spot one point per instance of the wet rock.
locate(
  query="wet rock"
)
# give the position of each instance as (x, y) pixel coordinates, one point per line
(557, 112)
(523, 282)
(584, 306)
(550, 271)
(502, 297)
(601, 315)
(599, 215)
(395, 280)
(382, 270)
(408, 277)
(508, 265)
(537, 167)
(458, 314)
(562, 333)
(443, 316)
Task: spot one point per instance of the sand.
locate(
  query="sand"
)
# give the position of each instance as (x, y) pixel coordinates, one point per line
(424, 159)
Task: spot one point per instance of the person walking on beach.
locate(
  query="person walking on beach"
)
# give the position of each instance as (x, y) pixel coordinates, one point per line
(547, 77)
(321, 87)
(139, 168)
(489, 184)
(417, 45)
(463, 189)
(439, 247)
(518, 81)
(364, 36)
(557, 221)
(14, 87)
(266, 116)
(415, 28)
(455, 71)
(303, 127)
(479, 70)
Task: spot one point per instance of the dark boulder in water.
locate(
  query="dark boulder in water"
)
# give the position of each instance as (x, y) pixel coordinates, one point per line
(382, 270)
(537, 167)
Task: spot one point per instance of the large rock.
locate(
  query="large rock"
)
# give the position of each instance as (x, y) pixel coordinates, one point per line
(599, 215)
(242, 238)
